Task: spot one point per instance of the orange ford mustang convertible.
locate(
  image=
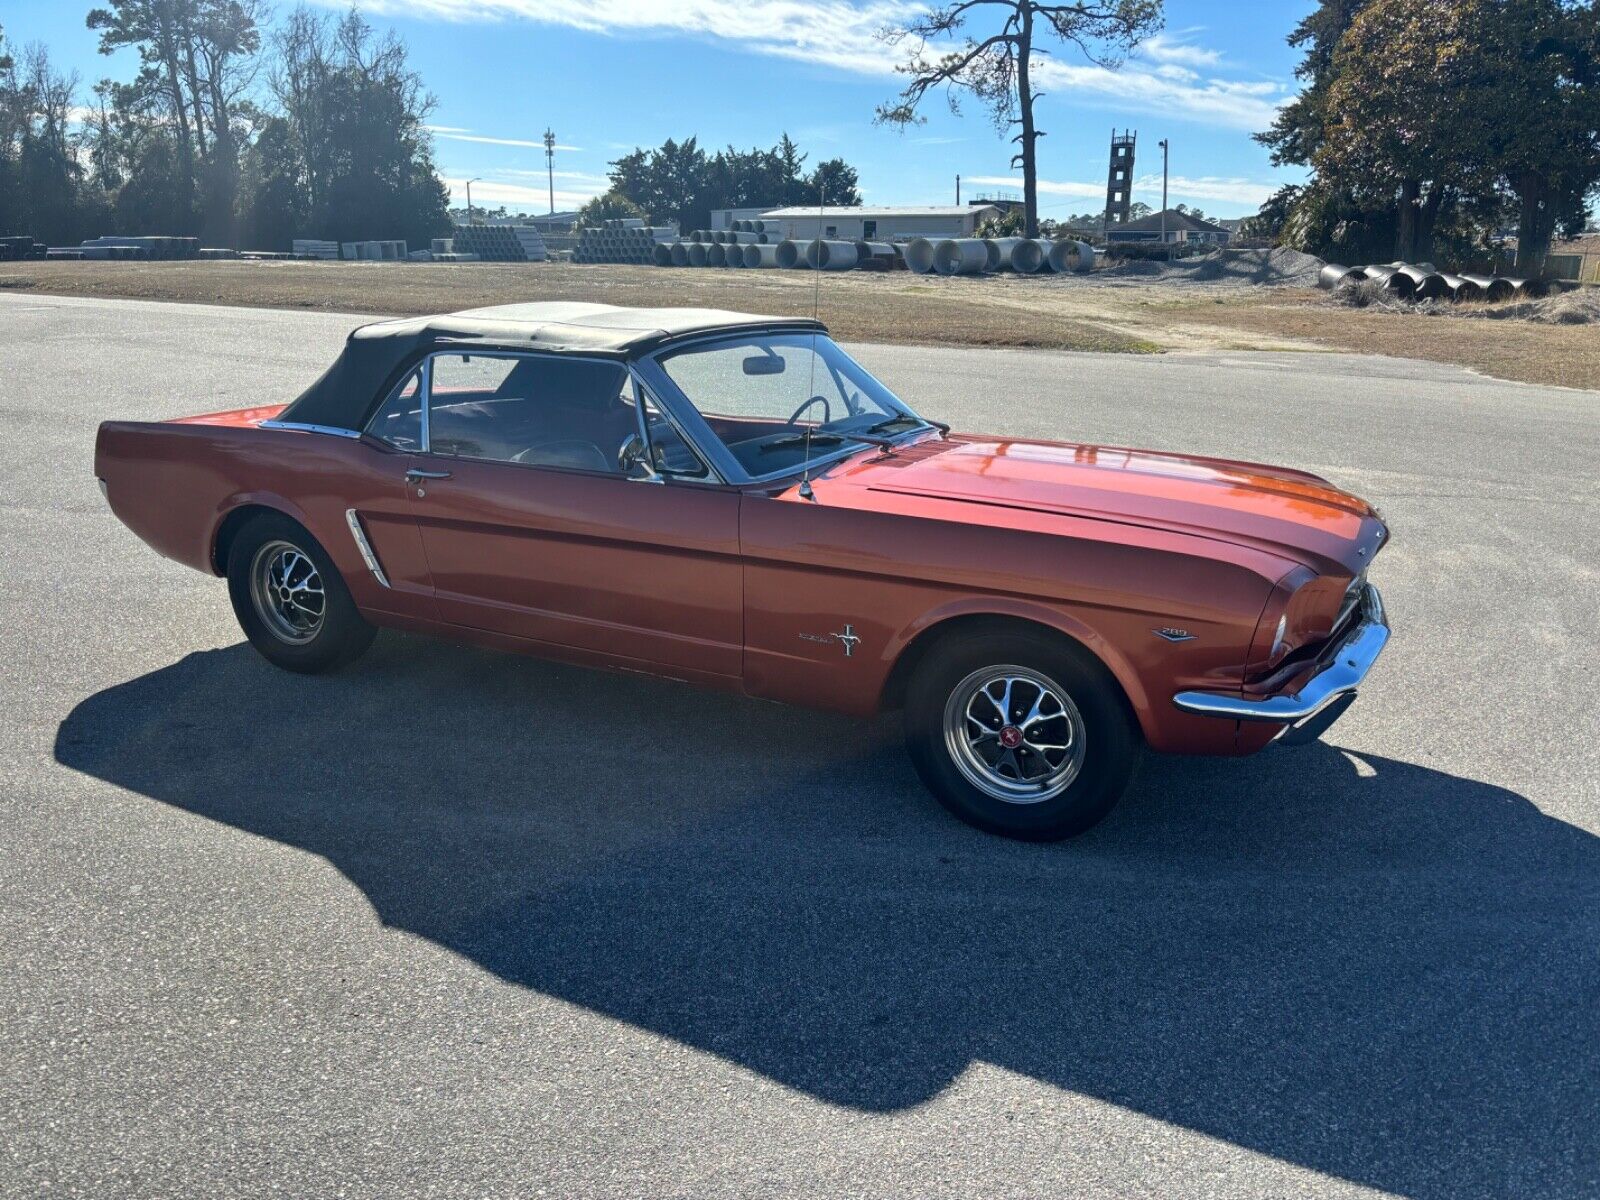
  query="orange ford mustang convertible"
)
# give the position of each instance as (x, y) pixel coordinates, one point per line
(732, 501)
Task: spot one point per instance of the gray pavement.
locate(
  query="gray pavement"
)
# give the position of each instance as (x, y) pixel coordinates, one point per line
(397, 932)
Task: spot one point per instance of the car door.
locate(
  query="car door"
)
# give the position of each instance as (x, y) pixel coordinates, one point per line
(533, 529)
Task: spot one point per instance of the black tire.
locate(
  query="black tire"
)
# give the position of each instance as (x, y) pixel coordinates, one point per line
(339, 636)
(1094, 716)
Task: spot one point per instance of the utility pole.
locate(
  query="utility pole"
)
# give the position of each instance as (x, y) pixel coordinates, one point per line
(550, 165)
(470, 182)
(1165, 147)
(958, 191)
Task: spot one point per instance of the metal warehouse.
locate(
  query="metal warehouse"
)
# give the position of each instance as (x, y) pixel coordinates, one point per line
(879, 224)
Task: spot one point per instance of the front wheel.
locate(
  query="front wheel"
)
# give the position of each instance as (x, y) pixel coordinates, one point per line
(290, 599)
(1019, 734)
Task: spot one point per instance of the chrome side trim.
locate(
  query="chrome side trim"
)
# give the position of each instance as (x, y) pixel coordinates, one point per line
(303, 427)
(1342, 676)
(367, 556)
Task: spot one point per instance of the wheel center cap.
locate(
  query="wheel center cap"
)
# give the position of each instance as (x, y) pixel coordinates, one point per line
(1011, 737)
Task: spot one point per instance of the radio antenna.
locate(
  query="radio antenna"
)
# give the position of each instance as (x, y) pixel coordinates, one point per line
(806, 491)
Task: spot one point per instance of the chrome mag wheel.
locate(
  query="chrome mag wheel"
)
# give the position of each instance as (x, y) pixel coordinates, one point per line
(286, 589)
(1015, 734)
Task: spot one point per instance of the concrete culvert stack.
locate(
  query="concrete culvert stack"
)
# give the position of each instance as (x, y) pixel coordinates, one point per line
(877, 256)
(761, 256)
(791, 255)
(1001, 251)
(697, 254)
(662, 254)
(1030, 256)
(823, 255)
(716, 255)
(919, 256)
(680, 254)
(1067, 255)
(961, 256)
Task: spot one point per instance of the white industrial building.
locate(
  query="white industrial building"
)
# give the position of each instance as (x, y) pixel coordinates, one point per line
(871, 223)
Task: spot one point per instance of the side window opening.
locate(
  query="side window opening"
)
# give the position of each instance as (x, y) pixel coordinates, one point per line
(399, 420)
(669, 452)
(536, 410)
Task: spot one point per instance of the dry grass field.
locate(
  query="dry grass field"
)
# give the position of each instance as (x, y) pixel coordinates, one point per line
(1055, 312)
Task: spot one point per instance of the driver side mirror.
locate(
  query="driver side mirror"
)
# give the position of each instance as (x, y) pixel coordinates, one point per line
(635, 460)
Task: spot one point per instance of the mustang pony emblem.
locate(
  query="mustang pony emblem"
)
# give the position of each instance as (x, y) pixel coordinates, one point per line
(847, 639)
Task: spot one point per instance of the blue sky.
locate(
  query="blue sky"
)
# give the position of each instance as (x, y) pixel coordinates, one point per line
(608, 75)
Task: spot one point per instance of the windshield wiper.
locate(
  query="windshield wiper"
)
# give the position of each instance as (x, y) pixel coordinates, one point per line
(906, 419)
(800, 439)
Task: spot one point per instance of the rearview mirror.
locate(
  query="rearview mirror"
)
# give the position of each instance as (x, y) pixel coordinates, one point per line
(764, 364)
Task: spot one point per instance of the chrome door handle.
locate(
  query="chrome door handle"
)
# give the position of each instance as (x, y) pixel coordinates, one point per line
(413, 475)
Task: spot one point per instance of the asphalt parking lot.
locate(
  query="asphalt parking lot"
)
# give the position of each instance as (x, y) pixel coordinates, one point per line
(456, 924)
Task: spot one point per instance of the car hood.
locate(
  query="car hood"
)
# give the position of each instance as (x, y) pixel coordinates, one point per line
(1291, 513)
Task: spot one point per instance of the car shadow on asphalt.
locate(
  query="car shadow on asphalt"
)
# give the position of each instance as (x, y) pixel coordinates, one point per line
(1368, 967)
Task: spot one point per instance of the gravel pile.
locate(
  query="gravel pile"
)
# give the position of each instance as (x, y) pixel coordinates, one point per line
(1240, 268)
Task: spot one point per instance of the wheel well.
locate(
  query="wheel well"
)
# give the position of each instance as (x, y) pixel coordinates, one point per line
(894, 688)
(236, 520)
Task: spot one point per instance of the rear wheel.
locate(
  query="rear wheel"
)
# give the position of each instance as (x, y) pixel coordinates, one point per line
(1019, 734)
(290, 599)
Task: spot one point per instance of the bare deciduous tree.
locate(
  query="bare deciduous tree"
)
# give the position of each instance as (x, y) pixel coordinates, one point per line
(997, 67)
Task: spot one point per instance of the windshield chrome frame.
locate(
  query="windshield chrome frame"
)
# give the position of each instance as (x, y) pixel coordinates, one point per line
(693, 427)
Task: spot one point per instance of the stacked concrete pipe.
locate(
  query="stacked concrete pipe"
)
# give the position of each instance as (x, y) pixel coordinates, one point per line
(961, 256)
(662, 254)
(825, 255)
(791, 255)
(879, 253)
(1030, 256)
(919, 256)
(1067, 255)
(697, 253)
(716, 255)
(1001, 251)
(760, 255)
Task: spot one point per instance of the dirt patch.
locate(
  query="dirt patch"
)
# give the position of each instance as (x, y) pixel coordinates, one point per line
(863, 306)
(1099, 312)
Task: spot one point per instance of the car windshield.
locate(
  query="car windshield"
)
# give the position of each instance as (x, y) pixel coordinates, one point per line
(765, 395)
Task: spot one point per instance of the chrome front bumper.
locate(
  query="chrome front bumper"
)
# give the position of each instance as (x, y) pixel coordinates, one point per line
(1345, 668)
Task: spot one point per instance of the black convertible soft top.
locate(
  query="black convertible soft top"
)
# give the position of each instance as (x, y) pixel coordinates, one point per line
(375, 356)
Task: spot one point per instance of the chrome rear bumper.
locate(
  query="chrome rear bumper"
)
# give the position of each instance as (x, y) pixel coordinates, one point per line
(1345, 668)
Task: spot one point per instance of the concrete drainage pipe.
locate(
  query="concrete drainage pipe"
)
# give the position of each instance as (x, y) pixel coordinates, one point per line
(830, 256)
(1076, 257)
(961, 256)
(919, 256)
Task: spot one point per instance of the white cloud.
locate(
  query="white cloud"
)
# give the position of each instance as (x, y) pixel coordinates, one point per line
(1177, 48)
(454, 133)
(493, 193)
(1232, 191)
(1047, 187)
(1163, 77)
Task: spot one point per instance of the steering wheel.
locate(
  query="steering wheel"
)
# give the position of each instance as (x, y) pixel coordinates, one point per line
(827, 410)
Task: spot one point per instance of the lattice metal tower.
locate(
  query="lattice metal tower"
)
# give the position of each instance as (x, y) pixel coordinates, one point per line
(1119, 183)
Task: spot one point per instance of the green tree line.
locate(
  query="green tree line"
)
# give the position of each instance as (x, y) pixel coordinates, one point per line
(237, 133)
(1429, 124)
(678, 181)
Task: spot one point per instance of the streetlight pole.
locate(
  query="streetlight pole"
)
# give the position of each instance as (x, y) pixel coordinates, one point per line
(550, 165)
(1165, 146)
(470, 182)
